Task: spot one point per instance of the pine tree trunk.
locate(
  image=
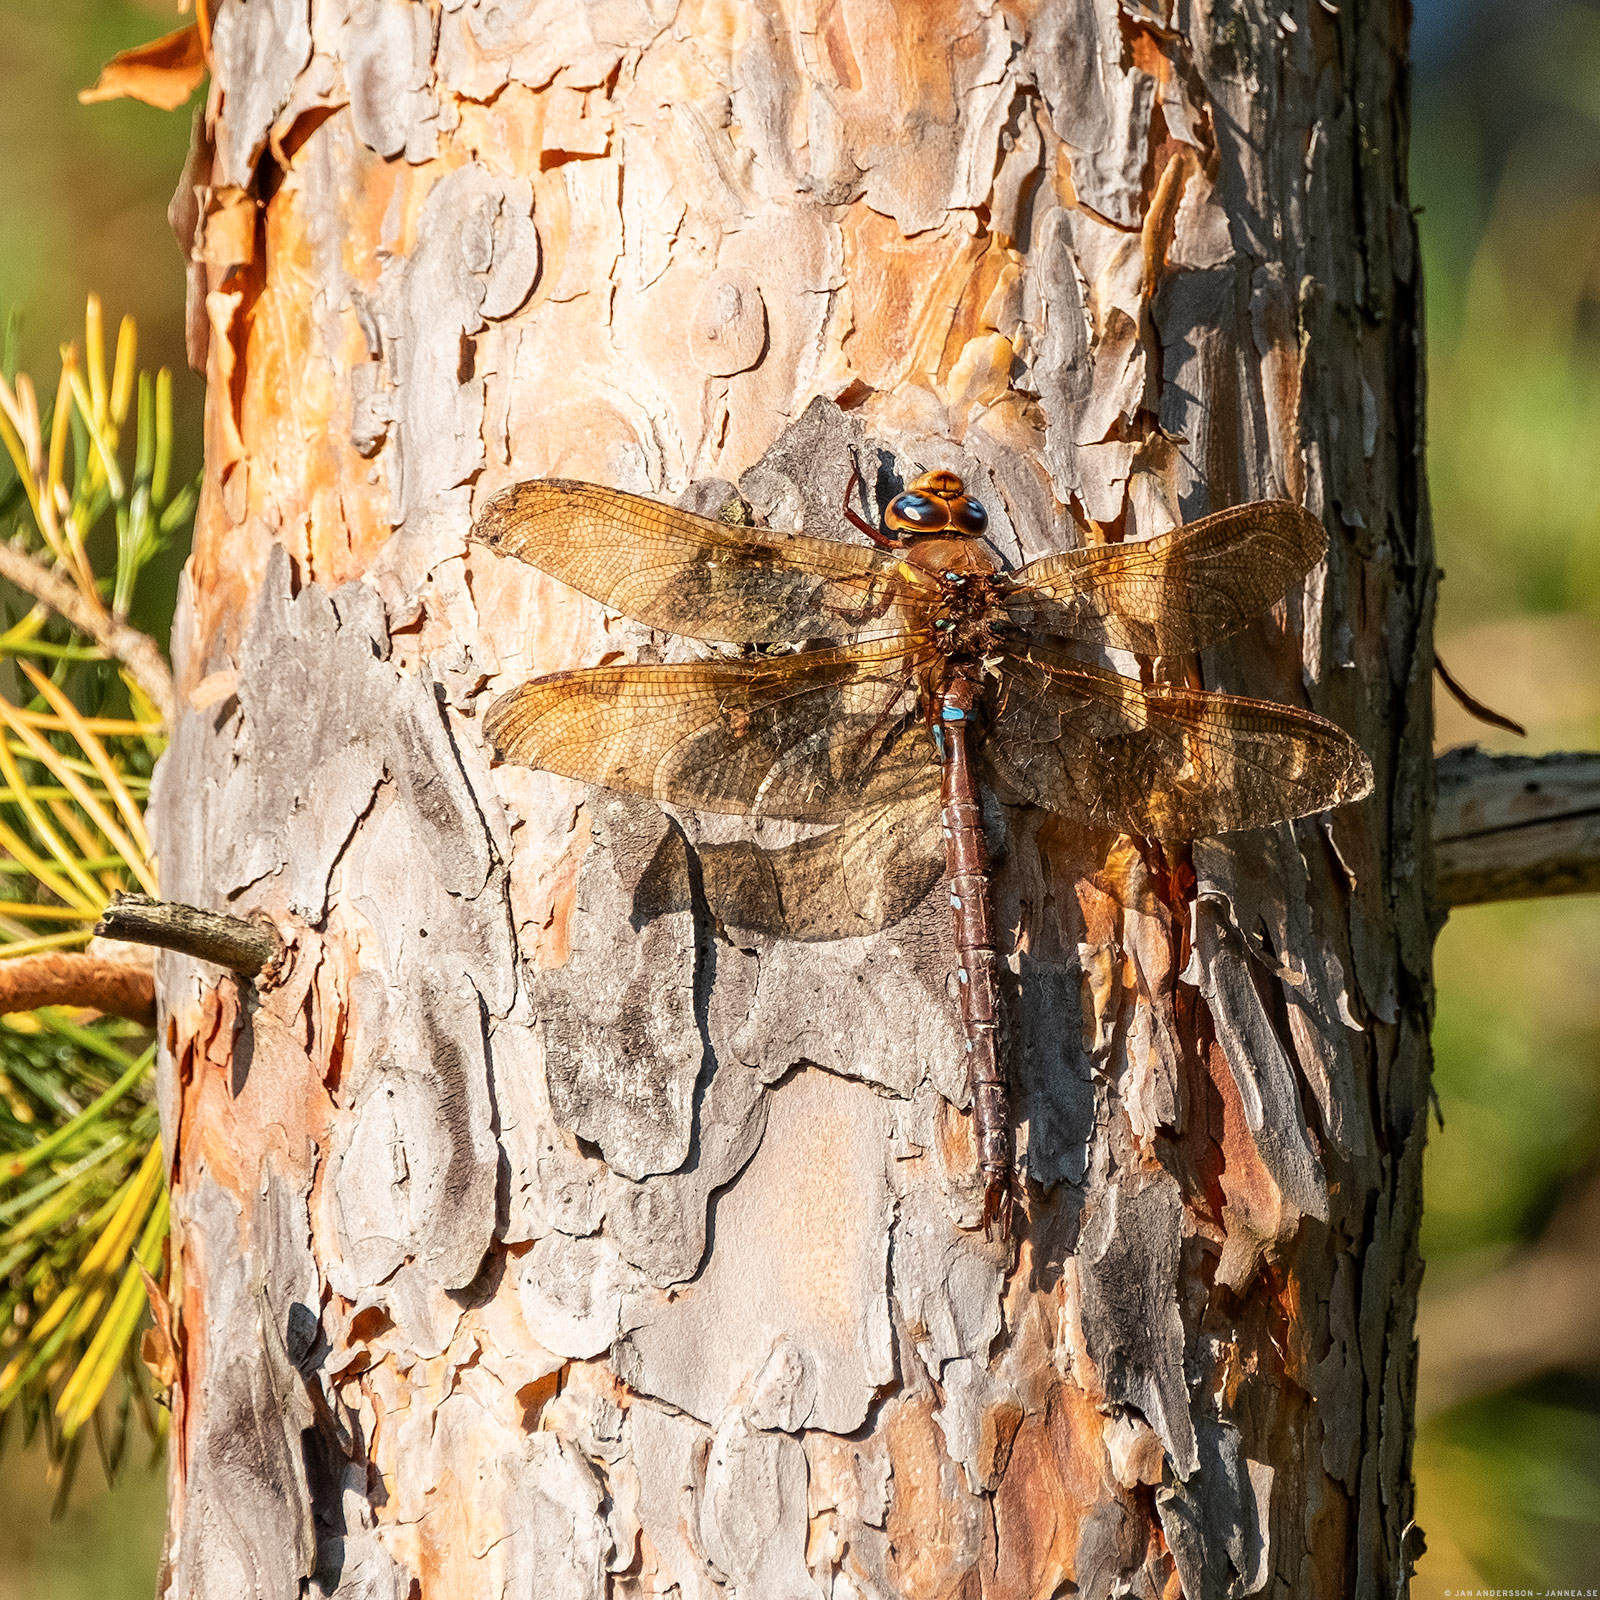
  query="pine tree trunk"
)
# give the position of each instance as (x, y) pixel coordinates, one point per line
(536, 1237)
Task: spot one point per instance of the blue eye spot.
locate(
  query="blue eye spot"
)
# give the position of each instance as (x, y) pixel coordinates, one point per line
(918, 510)
(953, 714)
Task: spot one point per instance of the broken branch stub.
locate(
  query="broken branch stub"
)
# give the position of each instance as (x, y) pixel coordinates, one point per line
(252, 949)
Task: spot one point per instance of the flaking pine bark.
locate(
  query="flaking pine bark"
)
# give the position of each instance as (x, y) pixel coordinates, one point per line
(537, 1237)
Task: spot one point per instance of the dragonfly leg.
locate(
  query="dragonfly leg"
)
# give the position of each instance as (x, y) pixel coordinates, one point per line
(859, 522)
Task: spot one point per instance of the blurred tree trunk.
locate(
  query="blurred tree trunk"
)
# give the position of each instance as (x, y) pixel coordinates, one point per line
(454, 1317)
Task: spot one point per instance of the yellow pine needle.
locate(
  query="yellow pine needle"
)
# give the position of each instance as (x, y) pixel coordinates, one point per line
(19, 459)
(55, 1208)
(28, 427)
(98, 1365)
(117, 1236)
(68, 820)
(80, 570)
(60, 426)
(122, 373)
(21, 406)
(18, 850)
(97, 435)
(55, 1314)
(24, 631)
(114, 727)
(9, 406)
(94, 346)
(90, 891)
(143, 707)
(79, 727)
(46, 754)
(85, 1293)
(28, 911)
(51, 941)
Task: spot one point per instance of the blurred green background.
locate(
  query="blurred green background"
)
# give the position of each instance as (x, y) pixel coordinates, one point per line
(1507, 168)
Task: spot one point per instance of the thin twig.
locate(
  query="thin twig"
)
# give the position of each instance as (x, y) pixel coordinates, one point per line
(1515, 827)
(137, 651)
(249, 948)
(1472, 705)
(62, 978)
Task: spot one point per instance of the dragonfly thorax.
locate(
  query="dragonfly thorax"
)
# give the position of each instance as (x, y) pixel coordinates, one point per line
(970, 616)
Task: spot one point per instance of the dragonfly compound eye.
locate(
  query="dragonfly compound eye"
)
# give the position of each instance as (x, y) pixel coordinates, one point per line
(916, 513)
(967, 515)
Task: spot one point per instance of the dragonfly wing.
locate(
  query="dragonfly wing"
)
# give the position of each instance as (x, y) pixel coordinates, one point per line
(1177, 592)
(689, 575)
(1162, 761)
(860, 877)
(814, 736)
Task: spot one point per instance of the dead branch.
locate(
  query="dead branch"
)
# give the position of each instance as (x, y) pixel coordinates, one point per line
(73, 978)
(1516, 827)
(249, 948)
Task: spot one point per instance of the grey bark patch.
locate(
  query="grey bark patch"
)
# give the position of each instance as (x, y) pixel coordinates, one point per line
(625, 1044)
(309, 751)
(1061, 370)
(1216, 1523)
(1128, 1266)
(970, 1390)
(872, 1008)
(753, 1514)
(816, 1184)
(259, 48)
(476, 259)
(251, 1532)
(668, 1449)
(1066, 56)
(412, 1173)
(542, 1502)
(575, 1294)
(1053, 1097)
(1271, 888)
(388, 51)
(1197, 316)
(486, 44)
(661, 1225)
(945, 1280)
(327, 735)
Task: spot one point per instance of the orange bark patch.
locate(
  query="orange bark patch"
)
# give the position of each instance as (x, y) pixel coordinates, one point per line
(932, 1520)
(1058, 1472)
(905, 294)
(1253, 1214)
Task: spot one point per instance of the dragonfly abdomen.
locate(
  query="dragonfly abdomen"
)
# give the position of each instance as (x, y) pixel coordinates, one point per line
(967, 868)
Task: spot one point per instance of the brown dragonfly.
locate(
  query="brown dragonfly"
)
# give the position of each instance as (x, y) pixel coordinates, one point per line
(913, 664)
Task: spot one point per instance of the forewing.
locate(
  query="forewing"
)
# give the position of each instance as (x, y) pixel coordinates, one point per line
(689, 575)
(1177, 592)
(1163, 761)
(814, 736)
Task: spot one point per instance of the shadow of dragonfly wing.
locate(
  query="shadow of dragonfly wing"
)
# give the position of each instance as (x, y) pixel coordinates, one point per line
(815, 736)
(860, 877)
(1160, 760)
(688, 575)
(1177, 592)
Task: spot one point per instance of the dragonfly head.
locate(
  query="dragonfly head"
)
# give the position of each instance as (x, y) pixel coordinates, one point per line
(936, 502)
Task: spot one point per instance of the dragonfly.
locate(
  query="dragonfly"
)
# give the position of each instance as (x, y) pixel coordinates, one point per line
(876, 678)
